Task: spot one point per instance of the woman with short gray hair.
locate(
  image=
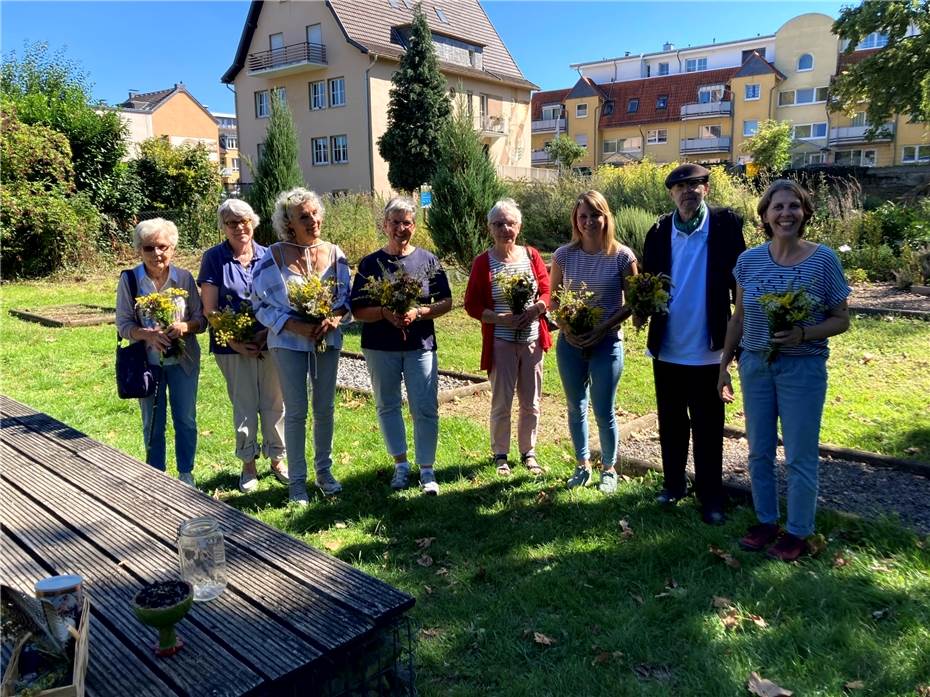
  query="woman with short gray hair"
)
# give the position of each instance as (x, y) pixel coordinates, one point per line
(178, 372)
(288, 206)
(225, 281)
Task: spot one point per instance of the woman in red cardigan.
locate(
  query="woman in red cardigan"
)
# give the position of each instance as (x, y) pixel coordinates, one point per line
(512, 343)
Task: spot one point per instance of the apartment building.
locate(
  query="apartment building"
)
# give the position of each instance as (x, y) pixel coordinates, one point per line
(698, 104)
(230, 163)
(333, 63)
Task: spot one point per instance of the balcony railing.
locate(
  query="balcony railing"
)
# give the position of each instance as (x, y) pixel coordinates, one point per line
(492, 125)
(857, 134)
(691, 145)
(541, 157)
(546, 125)
(287, 59)
(697, 110)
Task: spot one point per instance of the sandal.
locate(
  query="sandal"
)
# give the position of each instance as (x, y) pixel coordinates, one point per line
(529, 461)
(503, 467)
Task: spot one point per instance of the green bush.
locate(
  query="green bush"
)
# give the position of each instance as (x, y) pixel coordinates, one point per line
(546, 208)
(632, 225)
(352, 222)
(856, 276)
(640, 184)
(879, 262)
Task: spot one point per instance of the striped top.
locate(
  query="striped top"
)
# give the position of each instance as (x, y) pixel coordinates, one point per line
(757, 274)
(521, 336)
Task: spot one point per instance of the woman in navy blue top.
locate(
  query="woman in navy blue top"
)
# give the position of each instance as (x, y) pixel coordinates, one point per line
(225, 280)
(791, 385)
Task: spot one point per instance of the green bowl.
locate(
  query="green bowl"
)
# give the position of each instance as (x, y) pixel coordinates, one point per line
(162, 605)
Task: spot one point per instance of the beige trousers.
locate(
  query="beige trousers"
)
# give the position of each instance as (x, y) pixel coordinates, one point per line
(254, 391)
(516, 368)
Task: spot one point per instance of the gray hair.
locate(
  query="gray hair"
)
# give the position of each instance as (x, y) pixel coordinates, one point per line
(235, 208)
(400, 203)
(283, 206)
(506, 205)
(148, 229)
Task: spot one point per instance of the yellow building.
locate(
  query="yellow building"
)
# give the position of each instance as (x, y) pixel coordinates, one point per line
(699, 104)
(230, 163)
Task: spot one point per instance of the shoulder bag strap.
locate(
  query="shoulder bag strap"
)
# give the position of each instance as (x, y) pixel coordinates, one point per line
(130, 275)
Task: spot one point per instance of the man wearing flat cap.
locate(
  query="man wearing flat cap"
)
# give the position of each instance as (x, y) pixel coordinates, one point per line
(697, 246)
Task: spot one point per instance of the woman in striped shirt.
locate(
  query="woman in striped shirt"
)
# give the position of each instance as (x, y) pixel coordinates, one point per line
(592, 362)
(792, 384)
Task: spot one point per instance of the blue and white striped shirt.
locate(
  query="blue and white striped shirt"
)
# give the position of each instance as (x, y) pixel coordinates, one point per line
(602, 273)
(521, 336)
(821, 274)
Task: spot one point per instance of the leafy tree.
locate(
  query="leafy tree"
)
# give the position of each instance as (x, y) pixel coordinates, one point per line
(418, 111)
(565, 151)
(278, 169)
(896, 79)
(465, 187)
(770, 147)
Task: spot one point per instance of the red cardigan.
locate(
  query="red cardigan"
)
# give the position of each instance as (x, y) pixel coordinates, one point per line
(478, 298)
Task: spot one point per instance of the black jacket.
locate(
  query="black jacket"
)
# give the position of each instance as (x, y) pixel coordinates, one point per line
(724, 244)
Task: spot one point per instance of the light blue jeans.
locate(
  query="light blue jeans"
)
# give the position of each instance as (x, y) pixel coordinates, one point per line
(596, 376)
(179, 390)
(793, 389)
(297, 371)
(420, 373)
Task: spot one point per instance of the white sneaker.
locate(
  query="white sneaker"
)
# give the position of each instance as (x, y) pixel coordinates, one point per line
(428, 481)
(327, 483)
(248, 482)
(187, 478)
(401, 475)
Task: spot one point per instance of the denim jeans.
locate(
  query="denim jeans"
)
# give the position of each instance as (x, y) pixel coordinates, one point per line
(793, 389)
(297, 371)
(596, 375)
(179, 390)
(420, 373)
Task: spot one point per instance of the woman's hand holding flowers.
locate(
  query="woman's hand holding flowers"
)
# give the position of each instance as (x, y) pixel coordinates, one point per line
(790, 337)
(155, 338)
(252, 349)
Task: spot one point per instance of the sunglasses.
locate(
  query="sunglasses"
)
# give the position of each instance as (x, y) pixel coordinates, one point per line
(149, 248)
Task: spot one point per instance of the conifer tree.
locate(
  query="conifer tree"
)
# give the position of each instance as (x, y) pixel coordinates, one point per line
(277, 169)
(418, 110)
(465, 187)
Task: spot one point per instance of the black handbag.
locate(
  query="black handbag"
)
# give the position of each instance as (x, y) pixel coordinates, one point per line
(135, 378)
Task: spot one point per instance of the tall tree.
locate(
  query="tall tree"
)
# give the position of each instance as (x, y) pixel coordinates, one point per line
(465, 187)
(565, 151)
(770, 147)
(418, 111)
(277, 169)
(896, 79)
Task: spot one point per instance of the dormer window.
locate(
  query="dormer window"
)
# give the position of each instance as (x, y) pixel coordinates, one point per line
(441, 15)
(662, 101)
(608, 108)
(632, 106)
(805, 62)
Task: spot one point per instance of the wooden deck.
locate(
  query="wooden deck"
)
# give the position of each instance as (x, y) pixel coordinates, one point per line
(72, 505)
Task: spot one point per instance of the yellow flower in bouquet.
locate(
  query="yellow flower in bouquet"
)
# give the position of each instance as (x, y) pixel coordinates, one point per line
(229, 325)
(397, 290)
(648, 294)
(518, 289)
(162, 310)
(786, 310)
(574, 308)
(312, 298)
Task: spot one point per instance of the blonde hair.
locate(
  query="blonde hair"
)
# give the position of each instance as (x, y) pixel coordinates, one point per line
(596, 201)
(148, 229)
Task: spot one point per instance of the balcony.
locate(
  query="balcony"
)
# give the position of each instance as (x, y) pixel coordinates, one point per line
(492, 126)
(699, 111)
(696, 145)
(287, 60)
(549, 125)
(849, 135)
(541, 157)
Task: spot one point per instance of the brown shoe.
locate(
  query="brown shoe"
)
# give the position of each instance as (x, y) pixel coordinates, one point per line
(788, 548)
(758, 537)
(279, 470)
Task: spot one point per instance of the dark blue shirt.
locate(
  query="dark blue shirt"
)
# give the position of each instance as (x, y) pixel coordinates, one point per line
(382, 335)
(233, 281)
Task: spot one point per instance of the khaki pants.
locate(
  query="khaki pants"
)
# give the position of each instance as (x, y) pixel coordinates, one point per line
(516, 368)
(254, 390)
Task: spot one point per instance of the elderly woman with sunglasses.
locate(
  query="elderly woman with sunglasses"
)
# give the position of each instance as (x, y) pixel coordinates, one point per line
(178, 372)
(225, 281)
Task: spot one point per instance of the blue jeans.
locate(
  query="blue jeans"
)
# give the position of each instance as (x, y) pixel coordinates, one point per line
(793, 389)
(179, 390)
(597, 376)
(297, 371)
(420, 372)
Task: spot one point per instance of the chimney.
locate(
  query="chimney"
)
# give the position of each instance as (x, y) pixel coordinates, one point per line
(626, 53)
(668, 46)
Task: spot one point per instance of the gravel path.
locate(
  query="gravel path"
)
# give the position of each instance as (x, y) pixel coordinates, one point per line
(852, 487)
(353, 374)
(886, 296)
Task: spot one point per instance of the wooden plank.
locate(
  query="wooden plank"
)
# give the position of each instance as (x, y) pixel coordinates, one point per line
(54, 430)
(287, 604)
(112, 668)
(203, 668)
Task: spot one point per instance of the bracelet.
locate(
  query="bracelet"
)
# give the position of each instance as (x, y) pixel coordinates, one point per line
(803, 336)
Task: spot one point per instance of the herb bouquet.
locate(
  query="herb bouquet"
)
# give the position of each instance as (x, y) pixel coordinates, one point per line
(519, 290)
(573, 307)
(312, 298)
(648, 295)
(161, 310)
(399, 290)
(229, 325)
(784, 311)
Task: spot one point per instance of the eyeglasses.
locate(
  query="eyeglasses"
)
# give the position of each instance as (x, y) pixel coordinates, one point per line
(237, 223)
(149, 248)
(401, 223)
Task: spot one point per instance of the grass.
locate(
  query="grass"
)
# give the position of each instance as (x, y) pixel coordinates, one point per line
(528, 589)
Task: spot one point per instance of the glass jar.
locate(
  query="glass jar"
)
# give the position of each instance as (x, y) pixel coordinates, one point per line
(202, 556)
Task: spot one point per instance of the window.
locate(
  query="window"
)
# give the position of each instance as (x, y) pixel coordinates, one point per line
(631, 144)
(786, 98)
(695, 65)
(281, 92)
(808, 95)
(259, 151)
(317, 95)
(810, 130)
(581, 111)
(750, 127)
(662, 101)
(315, 34)
(232, 142)
(337, 91)
(752, 92)
(805, 62)
(550, 112)
(582, 140)
(749, 51)
(608, 107)
(711, 131)
(442, 16)
(340, 148)
(915, 153)
(859, 120)
(319, 148)
(660, 135)
(854, 158)
(632, 106)
(609, 147)
(663, 68)
(276, 42)
(262, 105)
(235, 164)
(876, 39)
(708, 94)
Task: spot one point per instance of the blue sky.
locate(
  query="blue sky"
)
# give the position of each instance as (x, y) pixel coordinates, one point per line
(151, 45)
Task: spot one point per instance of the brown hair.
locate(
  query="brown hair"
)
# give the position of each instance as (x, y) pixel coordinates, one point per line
(785, 185)
(597, 202)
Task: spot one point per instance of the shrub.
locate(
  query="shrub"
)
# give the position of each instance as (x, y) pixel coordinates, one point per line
(878, 262)
(352, 223)
(856, 276)
(641, 184)
(632, 225)
(546, 209)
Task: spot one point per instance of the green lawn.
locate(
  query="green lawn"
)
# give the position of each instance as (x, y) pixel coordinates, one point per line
(622, 615)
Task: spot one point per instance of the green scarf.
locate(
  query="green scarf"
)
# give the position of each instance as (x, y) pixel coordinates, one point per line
(693, 224)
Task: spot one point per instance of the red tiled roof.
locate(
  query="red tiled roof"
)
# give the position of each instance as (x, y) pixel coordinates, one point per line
(846, 59)
(540, 99)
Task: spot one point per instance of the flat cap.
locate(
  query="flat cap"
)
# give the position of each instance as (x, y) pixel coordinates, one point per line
(685, 172)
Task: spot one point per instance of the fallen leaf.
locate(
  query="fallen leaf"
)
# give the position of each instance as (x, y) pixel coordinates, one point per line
(430, 632)
(761, 687)
(625, 530)
(425, 542)
(722, 601)
(854, 685)
(879, 568)
(425, 560)
(912, 450)
(340, 525)
(923, 691)
(601, 658)
(542, 639)
(428, 589)
(637, 598)
(206, 433)
(331, 545)
(816, 544)
(839, 561)
(867, 358)
(442, 571)
(727, 558)
(543, 497)
(881, 614)
(758, 621)
(731, 618)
